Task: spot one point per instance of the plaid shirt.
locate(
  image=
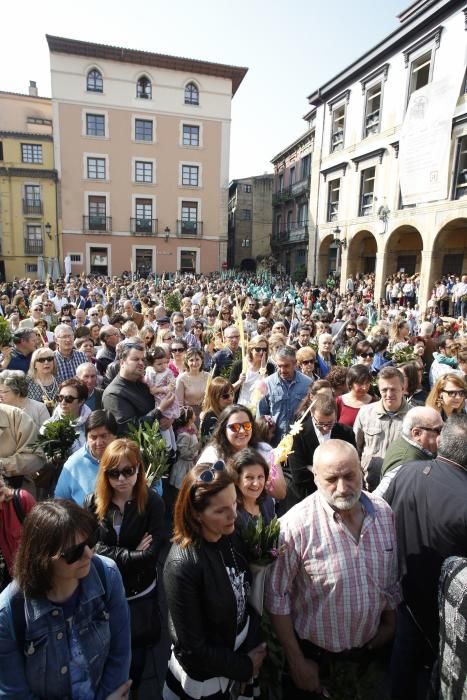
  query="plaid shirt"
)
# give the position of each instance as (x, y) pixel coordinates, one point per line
(333, 587)
(66, 366)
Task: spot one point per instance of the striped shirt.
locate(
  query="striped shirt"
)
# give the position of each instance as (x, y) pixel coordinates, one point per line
(333, 587)
(66, 366)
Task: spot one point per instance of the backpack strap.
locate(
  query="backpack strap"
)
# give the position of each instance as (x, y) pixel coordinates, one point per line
(18, 506)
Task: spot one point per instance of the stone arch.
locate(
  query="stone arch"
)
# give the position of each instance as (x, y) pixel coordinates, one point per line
(327, 258)
(449, 251)
(248, 264)
(361, 253)
(403, 251)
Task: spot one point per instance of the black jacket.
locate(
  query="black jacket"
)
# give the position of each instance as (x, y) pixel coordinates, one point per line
(138, 569)
(130, 403)
(203, 611)
(300, 481)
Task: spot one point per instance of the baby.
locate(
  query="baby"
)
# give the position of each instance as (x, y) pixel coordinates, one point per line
(161, 382)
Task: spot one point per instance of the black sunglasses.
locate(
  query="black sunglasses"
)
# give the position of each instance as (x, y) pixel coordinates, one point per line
(74, 554)
(209, 475)
(126, 472)
(367, 354)
(66, 399)
(49, 358)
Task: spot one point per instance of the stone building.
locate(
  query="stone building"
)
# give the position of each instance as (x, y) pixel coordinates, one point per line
(250, 220)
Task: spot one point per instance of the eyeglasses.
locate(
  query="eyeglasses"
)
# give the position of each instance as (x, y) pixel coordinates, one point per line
(66, 399)
(177, 349)
(367, 354)
(74, 554)
(94, 314)
(126, 472)
(49, 358)
(227, 395)
(307, 362)
(431, 430)
(259, 349)
(325, 425)
(209, 475)
(236, 427)
(352, 330)
(454, 393)
(178, 323)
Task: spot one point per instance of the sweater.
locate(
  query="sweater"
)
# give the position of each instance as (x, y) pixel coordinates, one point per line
(78, 476)
(402, 451)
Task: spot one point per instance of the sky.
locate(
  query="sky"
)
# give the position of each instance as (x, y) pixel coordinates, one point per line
(290, 49)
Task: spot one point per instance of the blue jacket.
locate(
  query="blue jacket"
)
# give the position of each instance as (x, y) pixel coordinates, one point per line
(282, 400)
(78, 477)
(40, 668)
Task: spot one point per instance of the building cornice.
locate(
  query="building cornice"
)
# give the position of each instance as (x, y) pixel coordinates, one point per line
(301, 141)
(29, 172)
(434, 36)
(23, 94)
(382, 70)
(333, 168)
(413, 28)
(25, 135)
(378, 153)
(59, 44)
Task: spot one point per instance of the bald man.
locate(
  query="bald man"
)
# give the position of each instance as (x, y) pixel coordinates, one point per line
(333, 592)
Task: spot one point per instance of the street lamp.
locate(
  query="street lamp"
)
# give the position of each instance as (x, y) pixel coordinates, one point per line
(167, 233)
(337, 241)
(48, 230)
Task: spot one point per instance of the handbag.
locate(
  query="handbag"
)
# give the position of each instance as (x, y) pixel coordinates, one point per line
(145, 620)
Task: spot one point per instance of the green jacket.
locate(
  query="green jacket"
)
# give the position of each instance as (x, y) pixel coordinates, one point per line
(402, 451)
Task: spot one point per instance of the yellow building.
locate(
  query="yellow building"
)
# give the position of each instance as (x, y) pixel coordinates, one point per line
(29, 240)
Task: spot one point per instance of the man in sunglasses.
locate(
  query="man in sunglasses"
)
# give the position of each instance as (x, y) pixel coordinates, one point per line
(429, 500)
(419, 440)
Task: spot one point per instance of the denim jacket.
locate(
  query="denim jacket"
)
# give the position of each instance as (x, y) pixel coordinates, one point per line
(282, 400)
(41, 669)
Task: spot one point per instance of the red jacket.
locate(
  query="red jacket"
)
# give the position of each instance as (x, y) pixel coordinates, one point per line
(10, 526)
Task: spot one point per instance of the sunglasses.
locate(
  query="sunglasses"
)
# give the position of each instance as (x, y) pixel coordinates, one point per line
(367, 354)
(307, 362)
(259, 349)
(65, 320)
(49, 358)
(430, 430)
(177, 349)
(209, 475)
(236, 427)
(455, 393)
(226, 396)
(74, 554)
(66, 399)
(352, 330)
(125, 472)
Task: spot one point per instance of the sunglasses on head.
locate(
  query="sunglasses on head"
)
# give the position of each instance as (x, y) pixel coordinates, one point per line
(209, 475)
(126, 472)
(66, 399)
(49, 358)
(236, 427)
(74, 554)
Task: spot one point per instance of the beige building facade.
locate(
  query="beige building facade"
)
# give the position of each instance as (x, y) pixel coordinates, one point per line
(142, 150)
(362, 218)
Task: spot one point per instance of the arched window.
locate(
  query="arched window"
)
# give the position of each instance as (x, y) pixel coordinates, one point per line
(144, 88)
(94, 81)
(191, 94)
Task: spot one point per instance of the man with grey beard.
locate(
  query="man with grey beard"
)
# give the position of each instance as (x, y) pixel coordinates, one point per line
(333, 591)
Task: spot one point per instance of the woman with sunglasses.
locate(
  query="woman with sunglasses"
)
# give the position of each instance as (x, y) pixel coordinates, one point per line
(219, 395)
(214, 632)
(64, 624)
(448, 395)
(131, 521)
(364, 354)
(236, 430)
(257, 367)
(178, 350)
(71, 397)
(41, 377)
(306, 360)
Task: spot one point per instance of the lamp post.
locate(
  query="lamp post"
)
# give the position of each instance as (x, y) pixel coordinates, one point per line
(167, 234)
(339, 244)
(48, 230)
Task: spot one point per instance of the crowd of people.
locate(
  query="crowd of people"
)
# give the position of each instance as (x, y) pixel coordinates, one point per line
(342, 415)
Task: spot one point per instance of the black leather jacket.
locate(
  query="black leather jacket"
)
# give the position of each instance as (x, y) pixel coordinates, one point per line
(203, 612)
(138, 569)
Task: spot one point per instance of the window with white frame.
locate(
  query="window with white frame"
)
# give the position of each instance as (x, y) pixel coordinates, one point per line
(190, 175)
(190, 135)
(144, 88)
(420, 72)
(97, 213)
(32, 195)
(30, 267)
(96, 168)
(334, 187)
(143, 211)
(337, 128)
(143, 130)
(75, 258)
(189, 221)
(95, 124)
(373, 109)
(143, 171)
(367, 191)
(247, 188)
(31, 152)
(34, 232)
(460, 181)
(94, 82)
(191, 94)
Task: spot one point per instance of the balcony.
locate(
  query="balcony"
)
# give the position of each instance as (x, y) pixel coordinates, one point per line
(296, 233)
(189, 229)
(301, 187)
(281, 196)
(33, 246)
(32, 207)
(143, 227)
(97, 222)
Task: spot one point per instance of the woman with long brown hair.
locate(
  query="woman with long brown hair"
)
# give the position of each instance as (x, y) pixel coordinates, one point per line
(191, 384)
(207, 578)
(219, 394)
(448, 395)
(131, 521)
